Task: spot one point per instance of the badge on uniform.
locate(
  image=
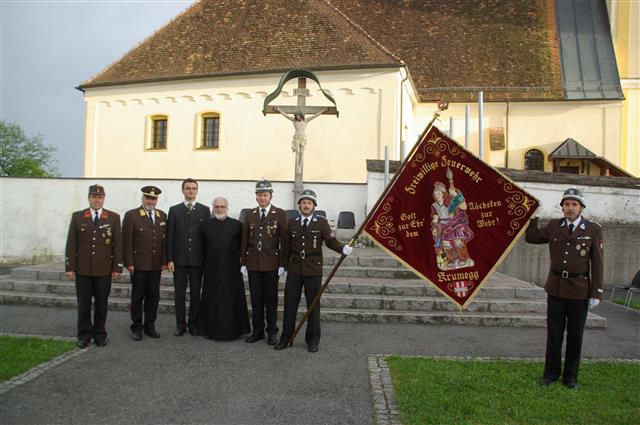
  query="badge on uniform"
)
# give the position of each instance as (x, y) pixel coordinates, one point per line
(578, 247)
(315, 242)
(583, 252)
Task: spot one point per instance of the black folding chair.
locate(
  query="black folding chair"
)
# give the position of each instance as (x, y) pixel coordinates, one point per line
(633, 288)
(346, 220)
(321, 213)
(292, 214)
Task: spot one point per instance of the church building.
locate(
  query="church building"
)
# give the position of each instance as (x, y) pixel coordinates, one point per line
(188, 100)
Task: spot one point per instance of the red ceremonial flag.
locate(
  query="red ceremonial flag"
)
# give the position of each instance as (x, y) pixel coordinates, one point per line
(450, 217)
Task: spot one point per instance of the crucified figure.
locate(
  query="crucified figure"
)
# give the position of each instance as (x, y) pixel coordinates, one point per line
(299, 141)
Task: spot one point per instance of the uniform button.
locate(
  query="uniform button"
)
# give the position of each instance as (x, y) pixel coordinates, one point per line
(93, 246)
(567, 243)
(94, 239)
(189, 249)
(155, 251)
(565, 261)
(565, 253)
(260, 234)
(93, 253)
(189, 239)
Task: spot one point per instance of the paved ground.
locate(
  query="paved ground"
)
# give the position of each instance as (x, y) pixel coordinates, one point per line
(193, 380)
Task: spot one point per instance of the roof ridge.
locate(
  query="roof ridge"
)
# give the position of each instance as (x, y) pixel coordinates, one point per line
(149, 37)
(365, 33)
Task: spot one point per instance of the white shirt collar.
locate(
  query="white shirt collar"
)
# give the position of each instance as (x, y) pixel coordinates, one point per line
(575, 223)
(266, 209)
(93, 212)
(186, 203)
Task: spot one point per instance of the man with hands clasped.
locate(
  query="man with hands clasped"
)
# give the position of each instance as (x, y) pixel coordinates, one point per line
(574, 283)
(263, 233)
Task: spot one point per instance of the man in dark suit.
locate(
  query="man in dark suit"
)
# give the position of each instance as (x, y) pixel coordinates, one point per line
(185, 255)
(93, 256)
(263, 234)
(143, 234)
(574, 284)
(303, 259)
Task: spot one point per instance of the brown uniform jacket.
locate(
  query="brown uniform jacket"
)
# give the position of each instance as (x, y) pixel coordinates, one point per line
(143, 241)
(263, 240)
(94, 250)
(303, 250)
(580, 252)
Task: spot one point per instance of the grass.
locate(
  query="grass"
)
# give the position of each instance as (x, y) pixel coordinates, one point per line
(441, 391)
(19, 354)
(635, 303)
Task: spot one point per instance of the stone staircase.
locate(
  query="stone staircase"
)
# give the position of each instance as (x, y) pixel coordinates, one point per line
(368, 287)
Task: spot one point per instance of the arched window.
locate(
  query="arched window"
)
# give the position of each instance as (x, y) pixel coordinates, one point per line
(534, 160)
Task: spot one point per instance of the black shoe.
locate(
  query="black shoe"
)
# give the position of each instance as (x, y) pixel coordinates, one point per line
(100, 342)
(572, 385)
(281, 345)
(547, 381)
(272, 339)
(82, 343)
(179, 332)
(313, 348)
(254, 337)
(152, 333)
(136, 335)
(194, 332)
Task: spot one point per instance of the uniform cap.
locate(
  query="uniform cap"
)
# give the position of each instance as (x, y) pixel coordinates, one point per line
(151, 191)
(96, 189)
(264, 186)
(573, 193)
(308, 194)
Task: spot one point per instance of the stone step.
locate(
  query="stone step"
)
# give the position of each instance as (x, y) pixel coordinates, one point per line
(364, 301)
(354, 286)
(333, 314)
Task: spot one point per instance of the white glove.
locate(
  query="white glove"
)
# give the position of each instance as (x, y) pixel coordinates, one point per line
(280, 271)
(593, 303)
(346, 250)
(243, 270)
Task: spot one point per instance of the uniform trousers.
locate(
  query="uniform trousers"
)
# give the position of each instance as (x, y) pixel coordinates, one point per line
(264, 296)
(570, 314)
(292, 293)
(183, 277)
(145, 296)
(98, 289)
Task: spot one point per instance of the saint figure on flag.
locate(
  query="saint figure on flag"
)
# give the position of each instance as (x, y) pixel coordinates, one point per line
(450, 227)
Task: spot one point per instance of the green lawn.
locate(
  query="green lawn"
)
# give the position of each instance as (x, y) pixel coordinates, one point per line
(438, 391)
(635, 302)
(19, 354)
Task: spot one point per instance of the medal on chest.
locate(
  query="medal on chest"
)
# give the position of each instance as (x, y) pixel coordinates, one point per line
(315, 241)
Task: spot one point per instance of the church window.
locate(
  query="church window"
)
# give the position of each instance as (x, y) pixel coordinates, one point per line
(158, 132)
(534, 160)
(210, 130)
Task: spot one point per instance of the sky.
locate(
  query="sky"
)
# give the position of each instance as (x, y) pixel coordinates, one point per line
(48, 48)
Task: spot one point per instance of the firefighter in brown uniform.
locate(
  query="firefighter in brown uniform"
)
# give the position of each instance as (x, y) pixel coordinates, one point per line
(143, 234)
(263, 233)
(303, 260)
(574, 284)
(93, 256)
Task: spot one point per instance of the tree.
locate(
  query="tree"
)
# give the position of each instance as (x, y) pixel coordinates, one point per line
(23, 156)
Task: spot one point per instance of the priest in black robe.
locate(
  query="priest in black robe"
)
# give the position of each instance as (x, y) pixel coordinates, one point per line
(223, 310)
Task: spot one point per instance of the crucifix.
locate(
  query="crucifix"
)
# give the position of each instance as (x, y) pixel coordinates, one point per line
(300, 114)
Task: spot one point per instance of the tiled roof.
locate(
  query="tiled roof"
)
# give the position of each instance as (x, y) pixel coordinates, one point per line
(571, 149)
(452, 48)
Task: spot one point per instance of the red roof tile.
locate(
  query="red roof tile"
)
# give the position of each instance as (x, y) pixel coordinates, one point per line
(508, 47)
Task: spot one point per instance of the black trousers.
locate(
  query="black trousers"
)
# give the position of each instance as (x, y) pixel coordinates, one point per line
(572, 315)
(145, 296)
(96, 289)
(264, 297)
(292, 293)
(183, 277)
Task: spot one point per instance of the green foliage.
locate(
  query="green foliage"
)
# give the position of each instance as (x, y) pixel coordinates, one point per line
(19, 354)
(635, 303)
(438, 391)
(23, 156)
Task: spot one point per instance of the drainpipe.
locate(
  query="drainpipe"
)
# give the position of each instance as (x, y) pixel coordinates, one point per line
(506, 139)
(480, 116)
(402, 142)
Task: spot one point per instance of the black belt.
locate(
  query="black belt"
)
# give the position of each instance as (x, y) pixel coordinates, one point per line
(565, 274)
(304, 255)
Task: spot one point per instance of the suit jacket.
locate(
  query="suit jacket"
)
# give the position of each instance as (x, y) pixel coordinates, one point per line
(303, 249)
(185, 246)
(94, 250)
(143, 241)
(263, 240)
(578, 252)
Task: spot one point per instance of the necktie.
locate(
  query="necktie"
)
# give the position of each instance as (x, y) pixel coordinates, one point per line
(263, 214)
(150, 214)
(571, 228)
(304, 224)
(189, 206)
(95, 219)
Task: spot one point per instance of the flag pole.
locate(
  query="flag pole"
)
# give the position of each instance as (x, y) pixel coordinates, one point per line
(442, 106)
